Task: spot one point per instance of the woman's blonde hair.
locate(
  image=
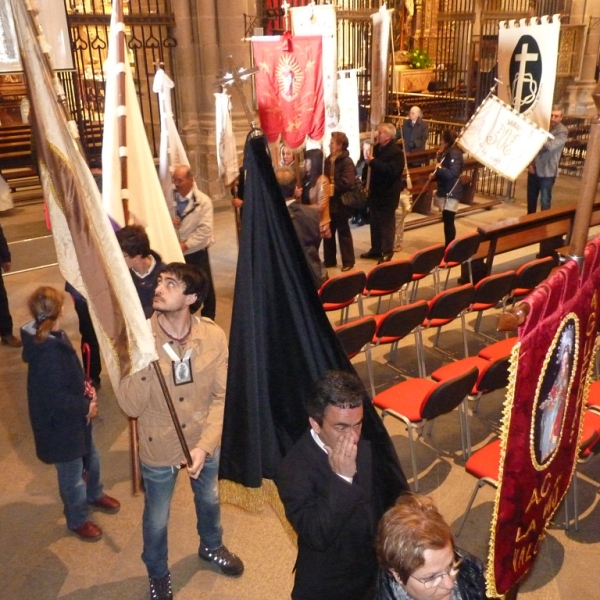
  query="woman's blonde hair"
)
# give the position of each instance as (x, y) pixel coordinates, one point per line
(45, 306)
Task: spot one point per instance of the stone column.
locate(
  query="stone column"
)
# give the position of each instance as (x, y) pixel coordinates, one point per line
(207, 32)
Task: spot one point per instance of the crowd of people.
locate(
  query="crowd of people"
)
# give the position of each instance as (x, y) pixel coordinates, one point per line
(350, 544)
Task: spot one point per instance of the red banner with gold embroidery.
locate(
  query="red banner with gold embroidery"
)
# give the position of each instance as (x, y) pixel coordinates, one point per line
(550, 372)
(289, 87)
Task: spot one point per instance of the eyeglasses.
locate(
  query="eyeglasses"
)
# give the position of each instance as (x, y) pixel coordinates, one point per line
(435, 580)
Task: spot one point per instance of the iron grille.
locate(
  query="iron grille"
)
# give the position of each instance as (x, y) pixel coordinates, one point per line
(149, 43)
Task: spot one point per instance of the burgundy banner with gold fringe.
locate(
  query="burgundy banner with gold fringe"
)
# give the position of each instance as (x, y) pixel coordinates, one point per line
(550, 371)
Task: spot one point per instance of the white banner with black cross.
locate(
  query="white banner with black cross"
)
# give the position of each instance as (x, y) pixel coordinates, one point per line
(527, 58)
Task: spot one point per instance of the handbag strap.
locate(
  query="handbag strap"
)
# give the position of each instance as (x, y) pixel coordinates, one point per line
(332, 175)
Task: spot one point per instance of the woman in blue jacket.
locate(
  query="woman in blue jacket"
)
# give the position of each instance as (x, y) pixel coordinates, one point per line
(61, 406)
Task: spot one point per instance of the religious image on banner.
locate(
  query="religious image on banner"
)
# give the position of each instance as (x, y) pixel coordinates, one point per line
(382, 21)
(227, 159)
(527, 58)
(550, 373)
(501, 139)
(321, 20)
(289, 87)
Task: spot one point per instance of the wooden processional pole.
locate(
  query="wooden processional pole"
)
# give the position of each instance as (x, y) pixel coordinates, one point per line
(122, 137)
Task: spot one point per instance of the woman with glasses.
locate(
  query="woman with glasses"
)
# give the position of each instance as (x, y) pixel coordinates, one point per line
(417, 557)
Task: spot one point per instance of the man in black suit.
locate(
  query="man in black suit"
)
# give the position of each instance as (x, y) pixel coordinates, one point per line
(326, 486)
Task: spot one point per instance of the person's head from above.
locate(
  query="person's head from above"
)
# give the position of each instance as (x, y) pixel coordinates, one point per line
(183, 179)
(556, 115)
(335, 406)
(416, 546)
(45, 306)
(286, 156)
(180, 287)
(414, 113)
(313, 164)
(286, 178)
(386, 133)
(338, 142)
(448, 139)
(134, 244)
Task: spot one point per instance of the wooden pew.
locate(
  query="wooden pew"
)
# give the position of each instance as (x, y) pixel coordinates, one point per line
(519, 232)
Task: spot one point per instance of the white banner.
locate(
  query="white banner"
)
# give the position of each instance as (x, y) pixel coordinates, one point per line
(227, 159)
(501, 138)
(321, 20)
(527, 57)
(379, 64)
(172, 153)
(347, 86)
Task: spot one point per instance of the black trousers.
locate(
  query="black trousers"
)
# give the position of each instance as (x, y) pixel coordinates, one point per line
(6, 322)
(383, 229)
(449, 227)
(88, 336)
(200, 259)
(339, 223)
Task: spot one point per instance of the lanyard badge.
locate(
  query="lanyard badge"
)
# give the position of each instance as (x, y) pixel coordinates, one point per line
(181, 367)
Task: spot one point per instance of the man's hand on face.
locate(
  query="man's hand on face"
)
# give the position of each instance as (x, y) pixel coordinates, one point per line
(198, 458)
(342, 458)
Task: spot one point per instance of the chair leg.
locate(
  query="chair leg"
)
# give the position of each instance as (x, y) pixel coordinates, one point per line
(447, 278)
(476, 402)
(464, 332)
(575, 507)
(465, 430)
(478, 486)
(413, 457)
(478, 321)
(393, 351)
(436, 280)
(437, 337)
(470, 271)
(360, 306)
(370, 368)
(413, 291)
(378, 305)
(420, 352)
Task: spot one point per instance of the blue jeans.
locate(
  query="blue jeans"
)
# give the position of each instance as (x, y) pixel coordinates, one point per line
(159, 483)
(541, 186)
(75, 492)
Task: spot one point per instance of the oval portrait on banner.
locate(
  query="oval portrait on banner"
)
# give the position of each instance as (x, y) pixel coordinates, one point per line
(554, 388)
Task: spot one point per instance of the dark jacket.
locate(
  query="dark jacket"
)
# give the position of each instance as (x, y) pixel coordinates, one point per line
(4, 251)
(55, 391)
(146, 286)
(386, 175)
(335, 522)
(344, 175)
(470, 581)
(415, 136)
(449, 173)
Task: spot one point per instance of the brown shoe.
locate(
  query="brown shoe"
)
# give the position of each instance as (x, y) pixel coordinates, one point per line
(107, 504)
(12, 341)
(88, 532)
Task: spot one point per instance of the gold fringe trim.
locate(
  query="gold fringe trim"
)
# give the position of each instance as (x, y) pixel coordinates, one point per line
(254, 499)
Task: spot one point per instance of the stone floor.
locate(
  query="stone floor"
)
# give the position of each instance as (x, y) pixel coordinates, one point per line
(40, 559)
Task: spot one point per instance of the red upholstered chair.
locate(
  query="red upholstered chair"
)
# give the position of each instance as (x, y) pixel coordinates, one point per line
(530, 275)
(593, 401)
(339, 292)
(447, 306)
(490, 291)
(493, 374)
(397, 323)
(387, 279)
(485, 465)
(425, 262)
(498, 349)
(418, 401)
(355, 338)
(459, 251)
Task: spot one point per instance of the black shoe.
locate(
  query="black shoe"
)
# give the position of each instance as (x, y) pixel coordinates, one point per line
(370, 255)
(385, 258)
(227, 561)
(160, 588)
(353, 220)
(347, 268)
(359, 222)
(330, 265)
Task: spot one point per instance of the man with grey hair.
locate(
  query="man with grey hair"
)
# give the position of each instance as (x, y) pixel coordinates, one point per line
(386, 164)
(542, 172)
(415, 131)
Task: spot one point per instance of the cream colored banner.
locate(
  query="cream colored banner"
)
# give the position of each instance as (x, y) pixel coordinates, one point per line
(227, 159)
(501, 139)
(527, 57)
(379, 64)
(347, 87)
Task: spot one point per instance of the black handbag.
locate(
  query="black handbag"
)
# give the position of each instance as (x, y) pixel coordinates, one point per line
(355, 197)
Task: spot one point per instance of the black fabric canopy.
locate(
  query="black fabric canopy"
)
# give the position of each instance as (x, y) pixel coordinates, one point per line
(280, 342)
